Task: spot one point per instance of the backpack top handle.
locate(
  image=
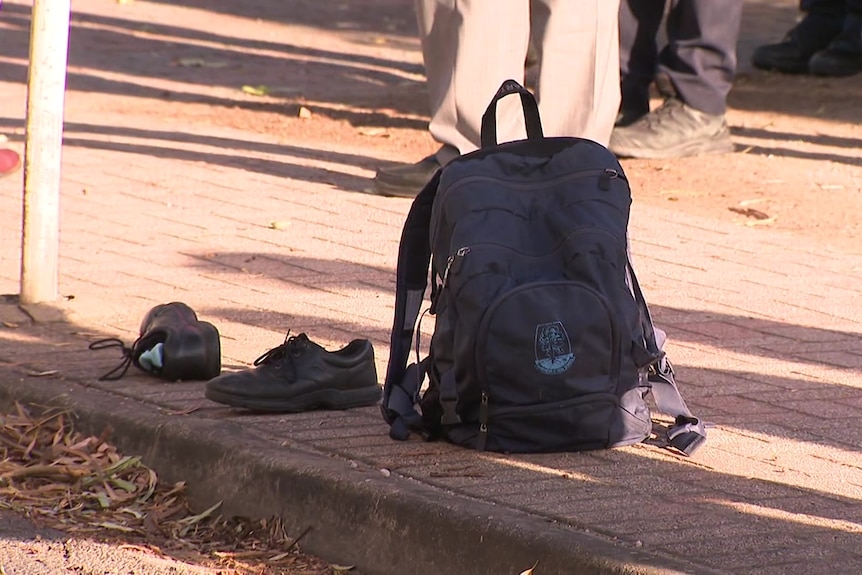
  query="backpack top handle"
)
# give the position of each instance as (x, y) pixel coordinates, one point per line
(531, 114)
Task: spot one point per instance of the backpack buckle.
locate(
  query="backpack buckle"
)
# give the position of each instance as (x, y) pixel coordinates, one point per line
(687, 434)
(450, 416)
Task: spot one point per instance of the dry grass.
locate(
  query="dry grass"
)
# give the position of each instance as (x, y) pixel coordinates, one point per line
(84, 486)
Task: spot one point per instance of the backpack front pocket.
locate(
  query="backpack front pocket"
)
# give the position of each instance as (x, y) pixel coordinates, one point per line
(547, 341)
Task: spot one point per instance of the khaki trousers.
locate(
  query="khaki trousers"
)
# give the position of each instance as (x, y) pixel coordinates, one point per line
(471, 46)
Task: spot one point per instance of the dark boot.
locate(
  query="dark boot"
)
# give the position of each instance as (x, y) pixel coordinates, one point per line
(791, 55)
(173, 345)
(843, 56)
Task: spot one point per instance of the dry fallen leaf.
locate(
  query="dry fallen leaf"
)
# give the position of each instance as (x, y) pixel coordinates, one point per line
(752, 202)
(374, 132)
(47, 373)
(304, 113)
(183, 411)
(530, 570)
(200, 63)
(83, 485)
(256, 90)
(750, 213)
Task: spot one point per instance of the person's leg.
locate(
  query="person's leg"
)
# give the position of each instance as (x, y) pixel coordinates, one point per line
(640, 21)
(695, 73)
(700, 57)
(578, 87)
(843, 56)
(470, 47)
(821, 24)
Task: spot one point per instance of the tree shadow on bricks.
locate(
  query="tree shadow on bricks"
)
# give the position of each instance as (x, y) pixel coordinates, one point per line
(763, 338)
(291, 73)
(850, 158)
(721, 508)
(80, 130)
(759, 497)
(270, 167)
(376, 16)
(747, 502)
(237, 154)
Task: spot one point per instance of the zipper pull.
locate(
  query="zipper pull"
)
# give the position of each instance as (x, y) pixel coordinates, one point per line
(606, 177)
(459, 256)
(482, 439)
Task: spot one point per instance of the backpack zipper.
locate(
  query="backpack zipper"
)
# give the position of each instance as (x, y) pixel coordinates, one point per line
(460, 253)
(605, 176)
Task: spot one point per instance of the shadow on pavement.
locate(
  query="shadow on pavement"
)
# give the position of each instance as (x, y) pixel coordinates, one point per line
(236, 153)
(697, 508)
(159, 52)
(851, 158)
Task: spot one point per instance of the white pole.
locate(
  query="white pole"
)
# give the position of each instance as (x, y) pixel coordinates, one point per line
(46, 86)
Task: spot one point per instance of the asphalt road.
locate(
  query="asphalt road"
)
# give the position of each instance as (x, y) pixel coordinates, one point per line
(29, 550)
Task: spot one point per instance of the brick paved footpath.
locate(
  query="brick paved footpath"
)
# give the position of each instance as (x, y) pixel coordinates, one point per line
(160, 205)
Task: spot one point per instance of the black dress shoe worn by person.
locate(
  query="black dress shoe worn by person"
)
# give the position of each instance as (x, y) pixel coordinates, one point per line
(299, 375)
(791, 55)
(405, 180)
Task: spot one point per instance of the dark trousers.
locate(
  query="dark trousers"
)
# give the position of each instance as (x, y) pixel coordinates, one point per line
(831, 7)
(827, 19)
(699, 58)
(845, 15)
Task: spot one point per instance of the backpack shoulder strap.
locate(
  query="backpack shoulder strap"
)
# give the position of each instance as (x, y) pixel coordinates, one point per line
(688, 432)
(402, 383)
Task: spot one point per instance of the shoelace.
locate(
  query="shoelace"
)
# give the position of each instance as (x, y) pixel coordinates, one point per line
(127, 356)
(664, 112)
(293, 346)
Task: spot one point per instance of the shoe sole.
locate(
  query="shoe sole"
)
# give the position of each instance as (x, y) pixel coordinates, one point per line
(694, 148)
(321, 399)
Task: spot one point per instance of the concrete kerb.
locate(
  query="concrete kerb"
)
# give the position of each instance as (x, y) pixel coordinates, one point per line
(383, 525)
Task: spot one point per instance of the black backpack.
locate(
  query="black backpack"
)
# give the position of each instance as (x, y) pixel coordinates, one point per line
(543, 341)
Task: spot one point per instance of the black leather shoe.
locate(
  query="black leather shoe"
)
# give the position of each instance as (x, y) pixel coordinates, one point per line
(843, 57)
(173, 345)
(405, 180)
(791, 55)
(300, 375)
